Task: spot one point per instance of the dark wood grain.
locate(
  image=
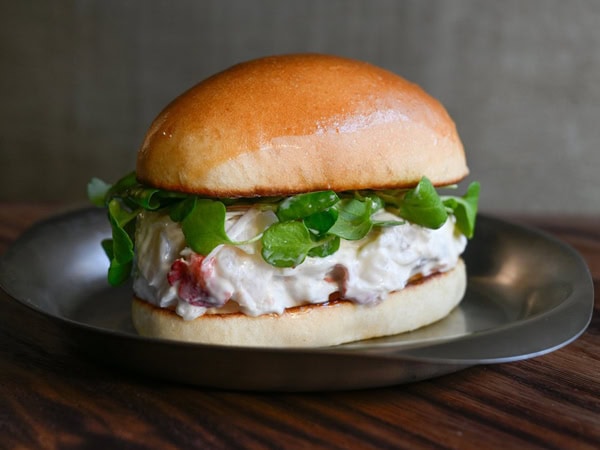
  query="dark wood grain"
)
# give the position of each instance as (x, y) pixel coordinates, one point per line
(59, 400)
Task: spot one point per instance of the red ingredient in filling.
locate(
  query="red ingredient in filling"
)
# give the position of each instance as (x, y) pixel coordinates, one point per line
(190, 278)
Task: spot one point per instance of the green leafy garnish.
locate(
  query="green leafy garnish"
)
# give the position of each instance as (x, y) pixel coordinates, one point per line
(287, 244)
(354, 221)
(180, 210)
(120, 248)
(465, 209)
(308, 225)
(304, 205)
(423, 206)
(321, 222)
(327, 246)
(204, 226)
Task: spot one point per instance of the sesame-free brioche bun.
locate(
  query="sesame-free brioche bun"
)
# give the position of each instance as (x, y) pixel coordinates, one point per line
(420, 303)
(297, 123)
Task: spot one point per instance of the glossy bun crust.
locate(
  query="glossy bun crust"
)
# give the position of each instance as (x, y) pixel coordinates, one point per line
(298, 123)
(415, 306)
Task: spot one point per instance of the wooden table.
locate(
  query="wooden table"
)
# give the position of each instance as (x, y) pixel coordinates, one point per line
(60, 401)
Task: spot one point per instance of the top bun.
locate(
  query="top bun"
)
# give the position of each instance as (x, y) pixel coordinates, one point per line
(298, 123)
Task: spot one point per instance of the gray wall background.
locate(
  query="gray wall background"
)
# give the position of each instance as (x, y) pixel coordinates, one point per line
(82, 80)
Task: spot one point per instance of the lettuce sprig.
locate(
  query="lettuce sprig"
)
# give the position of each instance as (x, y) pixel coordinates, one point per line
(308, 225)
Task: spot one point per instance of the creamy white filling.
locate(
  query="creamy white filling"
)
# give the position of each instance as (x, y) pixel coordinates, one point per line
(366, 270)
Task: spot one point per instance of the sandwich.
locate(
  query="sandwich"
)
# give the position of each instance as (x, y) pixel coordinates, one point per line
(296, 200)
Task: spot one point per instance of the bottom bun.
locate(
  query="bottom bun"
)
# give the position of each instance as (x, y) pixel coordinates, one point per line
(418, 304)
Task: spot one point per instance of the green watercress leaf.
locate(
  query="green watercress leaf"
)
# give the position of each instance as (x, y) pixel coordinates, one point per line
(118, 272)
(286, 244)
(354, 220)
(321, 222)
(423, 206)
(465, 209)
(204, 226)
(147, 198)
(118, 189)
(387, 223)
(121, 214)
(107, 246)
(376, 202)
(152, 199)
(325, 247)
(304, 205)
(119, 249)
(180, 210)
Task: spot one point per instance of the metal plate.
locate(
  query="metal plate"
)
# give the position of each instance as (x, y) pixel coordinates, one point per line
(528, 294)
